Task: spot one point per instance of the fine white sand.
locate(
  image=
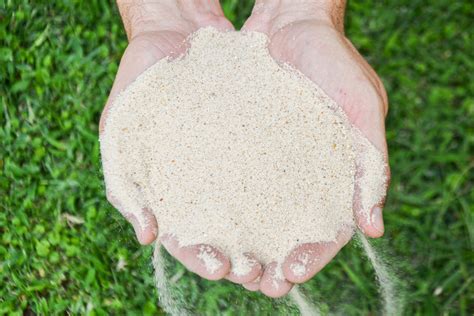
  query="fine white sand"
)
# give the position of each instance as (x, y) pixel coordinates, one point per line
(230, 149)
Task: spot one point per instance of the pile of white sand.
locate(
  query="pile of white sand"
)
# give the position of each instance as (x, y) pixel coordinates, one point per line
(230, 149)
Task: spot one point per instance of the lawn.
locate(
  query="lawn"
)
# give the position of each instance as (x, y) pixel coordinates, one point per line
(63, 249)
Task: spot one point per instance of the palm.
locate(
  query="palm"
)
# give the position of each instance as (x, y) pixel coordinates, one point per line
(329, 59)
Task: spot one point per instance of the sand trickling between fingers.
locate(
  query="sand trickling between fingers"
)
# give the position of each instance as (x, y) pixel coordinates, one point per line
(231, 149)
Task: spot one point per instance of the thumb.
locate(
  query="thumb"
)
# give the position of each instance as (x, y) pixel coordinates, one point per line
(143, 222)
(145, 226)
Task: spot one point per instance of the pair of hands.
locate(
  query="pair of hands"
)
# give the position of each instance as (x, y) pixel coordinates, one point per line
(307, 34)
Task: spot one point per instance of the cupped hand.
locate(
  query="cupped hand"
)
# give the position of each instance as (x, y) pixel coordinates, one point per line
(156, 30)
(309, 36)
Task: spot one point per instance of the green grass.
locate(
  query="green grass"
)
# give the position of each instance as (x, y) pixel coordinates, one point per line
(57, 64)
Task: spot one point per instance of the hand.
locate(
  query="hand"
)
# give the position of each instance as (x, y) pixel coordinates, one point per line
(158, 29)
(308, 35)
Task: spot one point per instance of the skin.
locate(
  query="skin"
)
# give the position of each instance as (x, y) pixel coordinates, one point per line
(309, 35)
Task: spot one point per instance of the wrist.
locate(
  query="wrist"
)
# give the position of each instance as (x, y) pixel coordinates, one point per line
(328, 11)
(140, 16)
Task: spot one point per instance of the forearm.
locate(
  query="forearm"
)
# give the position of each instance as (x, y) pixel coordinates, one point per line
(140, 16)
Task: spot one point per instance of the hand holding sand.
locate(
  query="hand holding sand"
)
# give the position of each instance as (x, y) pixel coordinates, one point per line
(309, 35)
(157, 30)
(227, 148)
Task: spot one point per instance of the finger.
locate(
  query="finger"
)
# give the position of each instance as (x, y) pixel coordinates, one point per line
(143, 222)
(372, 225)
(308, 259)
(148, 227)
(129, 201)
(253, 286)
(145, 226)
(244, 269)
(369, 194)
(273, 282)
(204, 260)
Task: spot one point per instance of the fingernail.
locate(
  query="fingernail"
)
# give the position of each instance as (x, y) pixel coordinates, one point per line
(376, 219)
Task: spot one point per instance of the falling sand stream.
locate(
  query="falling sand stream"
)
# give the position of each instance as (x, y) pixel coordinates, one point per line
(388, 285)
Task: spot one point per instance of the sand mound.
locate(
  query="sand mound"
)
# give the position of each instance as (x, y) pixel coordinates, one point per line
(230, 149)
